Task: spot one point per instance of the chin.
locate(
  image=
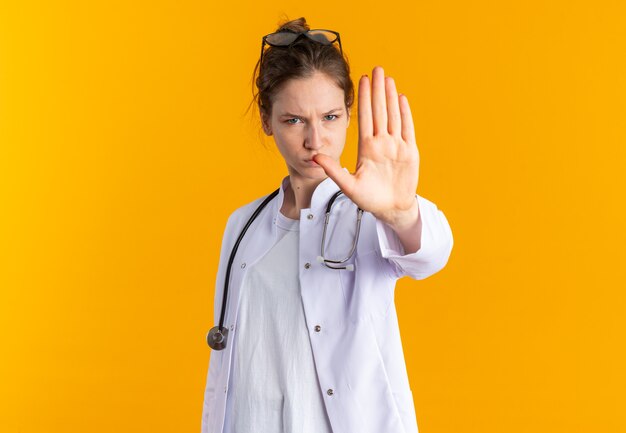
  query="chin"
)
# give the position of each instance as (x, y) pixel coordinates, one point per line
(307, 170)
(313, 173)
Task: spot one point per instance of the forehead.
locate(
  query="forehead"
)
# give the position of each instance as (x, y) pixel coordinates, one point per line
(316, 93)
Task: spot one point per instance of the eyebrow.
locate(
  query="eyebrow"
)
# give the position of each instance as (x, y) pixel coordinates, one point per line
(298, 115)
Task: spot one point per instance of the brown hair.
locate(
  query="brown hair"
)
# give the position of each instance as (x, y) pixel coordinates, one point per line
(302, 60)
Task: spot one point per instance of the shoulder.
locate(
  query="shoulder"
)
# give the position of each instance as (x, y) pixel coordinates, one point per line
(241, 214)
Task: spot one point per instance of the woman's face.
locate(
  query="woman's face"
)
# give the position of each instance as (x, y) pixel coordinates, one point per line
(308, 117)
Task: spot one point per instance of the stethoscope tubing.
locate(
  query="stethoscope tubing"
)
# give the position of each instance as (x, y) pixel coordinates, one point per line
(231, 259)
(217, 336)
(321, 257)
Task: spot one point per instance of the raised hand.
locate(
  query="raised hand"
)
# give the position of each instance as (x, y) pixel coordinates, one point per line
(387, 171)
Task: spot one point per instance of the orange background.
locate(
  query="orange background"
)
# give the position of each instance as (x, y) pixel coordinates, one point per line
(124, 147)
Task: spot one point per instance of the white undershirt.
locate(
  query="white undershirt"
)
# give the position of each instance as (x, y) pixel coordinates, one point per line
(273, 384)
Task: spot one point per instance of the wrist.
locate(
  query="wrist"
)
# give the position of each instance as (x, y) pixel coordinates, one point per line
(401, 220)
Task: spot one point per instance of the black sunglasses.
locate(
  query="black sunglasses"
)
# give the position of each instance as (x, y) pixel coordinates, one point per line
(285, 38)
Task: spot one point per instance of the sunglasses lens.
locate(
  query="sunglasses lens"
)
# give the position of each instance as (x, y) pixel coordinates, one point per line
(322, 36)
(281, 38)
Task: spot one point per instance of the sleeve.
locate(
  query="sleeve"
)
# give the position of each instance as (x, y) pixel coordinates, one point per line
(435, 245)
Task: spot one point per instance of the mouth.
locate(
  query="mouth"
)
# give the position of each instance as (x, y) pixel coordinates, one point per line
(311, 163)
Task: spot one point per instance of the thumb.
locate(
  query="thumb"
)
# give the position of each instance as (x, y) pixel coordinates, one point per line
(333, 169)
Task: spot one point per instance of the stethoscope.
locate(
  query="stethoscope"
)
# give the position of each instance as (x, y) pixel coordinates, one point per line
(217, 336)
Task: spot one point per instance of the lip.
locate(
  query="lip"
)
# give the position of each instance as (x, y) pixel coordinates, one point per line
(311, 163)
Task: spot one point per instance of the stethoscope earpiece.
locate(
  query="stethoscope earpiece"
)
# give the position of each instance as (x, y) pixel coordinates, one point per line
(321, 259)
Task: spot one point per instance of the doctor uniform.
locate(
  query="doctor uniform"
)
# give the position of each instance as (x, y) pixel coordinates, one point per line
(349, 375)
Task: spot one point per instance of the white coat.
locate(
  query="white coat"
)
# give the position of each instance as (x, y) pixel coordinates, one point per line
(350, 315)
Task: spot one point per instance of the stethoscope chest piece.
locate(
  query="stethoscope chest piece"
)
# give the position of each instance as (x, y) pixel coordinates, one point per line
(216, 338)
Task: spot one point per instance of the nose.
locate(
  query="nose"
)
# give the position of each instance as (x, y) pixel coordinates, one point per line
(313, 139)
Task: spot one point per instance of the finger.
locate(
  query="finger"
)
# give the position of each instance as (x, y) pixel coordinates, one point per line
(394, 123)
(379, 105)
(365, 108)
(343, 179)
(408, 131)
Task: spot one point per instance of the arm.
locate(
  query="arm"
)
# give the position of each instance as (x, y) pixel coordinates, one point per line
(431, 234)
(407, 226)
(386, 179)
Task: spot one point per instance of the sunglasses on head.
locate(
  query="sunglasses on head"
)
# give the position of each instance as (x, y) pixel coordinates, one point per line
(285, 38)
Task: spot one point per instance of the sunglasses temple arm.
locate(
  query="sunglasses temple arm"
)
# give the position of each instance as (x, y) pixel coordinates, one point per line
(261, 57)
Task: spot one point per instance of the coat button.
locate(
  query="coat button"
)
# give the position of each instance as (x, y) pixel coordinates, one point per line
(243, 265)
(232, 327)
(310, 216)
(307, 265)
(330, 391)
(318, 328)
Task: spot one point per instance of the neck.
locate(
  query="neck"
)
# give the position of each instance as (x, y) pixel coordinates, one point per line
(298, 194)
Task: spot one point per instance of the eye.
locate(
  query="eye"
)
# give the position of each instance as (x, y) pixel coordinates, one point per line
(289, 121)
(336, 116)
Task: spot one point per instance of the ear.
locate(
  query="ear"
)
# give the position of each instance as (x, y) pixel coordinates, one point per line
(266, 125)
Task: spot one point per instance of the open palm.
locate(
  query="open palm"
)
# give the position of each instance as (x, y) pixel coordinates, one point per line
(387, 171)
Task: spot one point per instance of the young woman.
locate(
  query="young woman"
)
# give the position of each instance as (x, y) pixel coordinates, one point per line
(308, 337)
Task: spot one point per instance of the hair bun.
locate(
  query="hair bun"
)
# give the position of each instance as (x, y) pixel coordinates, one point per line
(298, 25)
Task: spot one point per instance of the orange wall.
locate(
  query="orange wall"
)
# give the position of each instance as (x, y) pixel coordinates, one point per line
(122, 140)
